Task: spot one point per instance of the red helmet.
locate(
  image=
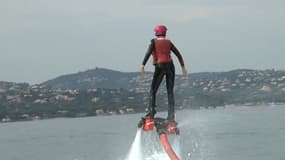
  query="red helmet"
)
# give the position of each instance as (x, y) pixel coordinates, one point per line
(160, 30)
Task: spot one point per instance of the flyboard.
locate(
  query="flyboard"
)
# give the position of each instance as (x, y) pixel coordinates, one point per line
(163, 128)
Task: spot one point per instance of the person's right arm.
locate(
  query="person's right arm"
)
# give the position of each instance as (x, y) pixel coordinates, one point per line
(147, 55)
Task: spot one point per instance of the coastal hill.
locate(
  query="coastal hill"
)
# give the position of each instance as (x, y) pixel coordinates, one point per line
(93, 78)
(102, 91)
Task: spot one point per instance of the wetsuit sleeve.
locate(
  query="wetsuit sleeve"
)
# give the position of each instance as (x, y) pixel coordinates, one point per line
(149, 51)
(177, 53)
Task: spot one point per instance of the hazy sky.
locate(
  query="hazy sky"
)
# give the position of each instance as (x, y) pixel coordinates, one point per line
(42, 39)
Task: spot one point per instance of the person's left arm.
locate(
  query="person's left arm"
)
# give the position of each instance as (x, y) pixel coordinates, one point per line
(180, 58)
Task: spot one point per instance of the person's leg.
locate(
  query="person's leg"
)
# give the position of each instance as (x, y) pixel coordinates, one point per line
(170, 78)
(157, 78)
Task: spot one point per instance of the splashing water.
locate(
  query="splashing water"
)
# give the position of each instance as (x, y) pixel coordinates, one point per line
(176, 146)
(135, 151)
(152, 148)
(147, 146)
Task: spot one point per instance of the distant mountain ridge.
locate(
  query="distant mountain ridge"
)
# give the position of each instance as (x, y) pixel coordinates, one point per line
(112, 79)
(93, 78)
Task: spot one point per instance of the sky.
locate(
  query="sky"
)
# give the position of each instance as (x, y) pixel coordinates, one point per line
(43, 39)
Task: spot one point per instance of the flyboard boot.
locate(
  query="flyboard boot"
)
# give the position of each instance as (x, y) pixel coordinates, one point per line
(162, 125)
(172, 127)
(171, 123)
(147, 123)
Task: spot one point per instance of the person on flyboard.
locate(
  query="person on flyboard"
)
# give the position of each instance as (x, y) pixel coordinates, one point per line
(160, 48)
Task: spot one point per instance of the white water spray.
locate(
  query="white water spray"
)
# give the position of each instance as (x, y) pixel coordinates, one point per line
(136, 151)
(152, 148)
(147, 146)
(176, 146)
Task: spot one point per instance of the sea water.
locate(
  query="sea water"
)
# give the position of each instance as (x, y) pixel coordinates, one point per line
(230, 133)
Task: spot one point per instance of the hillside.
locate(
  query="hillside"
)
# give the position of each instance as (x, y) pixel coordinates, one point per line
(102, 91)
(95, 78)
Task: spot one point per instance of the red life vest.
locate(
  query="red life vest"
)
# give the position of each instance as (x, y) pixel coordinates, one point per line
(162, 50)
